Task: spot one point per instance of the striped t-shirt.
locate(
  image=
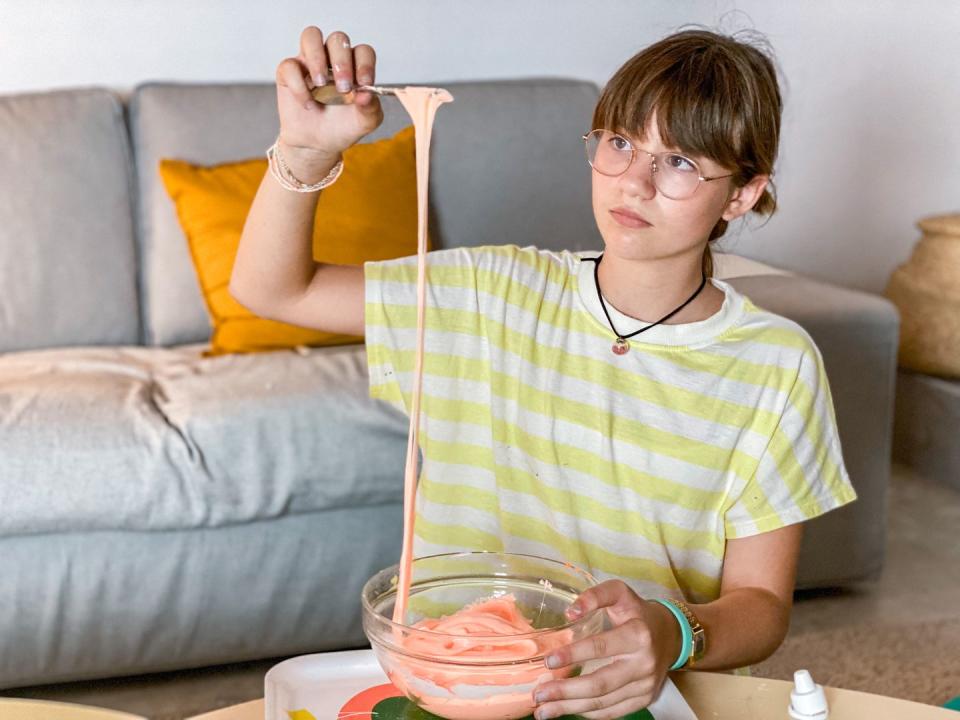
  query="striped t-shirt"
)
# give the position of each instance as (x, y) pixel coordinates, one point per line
(537, 439)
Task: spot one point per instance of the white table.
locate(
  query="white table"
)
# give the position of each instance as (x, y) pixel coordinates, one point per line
(719, 696)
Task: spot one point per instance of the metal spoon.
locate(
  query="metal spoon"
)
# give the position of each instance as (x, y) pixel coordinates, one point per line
(329, 95)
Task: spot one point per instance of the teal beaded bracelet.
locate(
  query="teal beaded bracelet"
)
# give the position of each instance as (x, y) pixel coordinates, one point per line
(686, 632)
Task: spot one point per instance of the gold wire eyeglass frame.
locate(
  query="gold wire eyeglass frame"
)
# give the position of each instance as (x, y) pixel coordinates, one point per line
(653, 162)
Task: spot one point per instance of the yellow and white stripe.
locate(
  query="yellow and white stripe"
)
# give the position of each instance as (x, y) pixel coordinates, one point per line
(536, 438)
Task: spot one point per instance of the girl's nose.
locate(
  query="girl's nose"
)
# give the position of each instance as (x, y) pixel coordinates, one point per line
(638, 178)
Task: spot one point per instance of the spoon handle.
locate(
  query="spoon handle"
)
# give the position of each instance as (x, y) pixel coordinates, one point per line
(329, 95)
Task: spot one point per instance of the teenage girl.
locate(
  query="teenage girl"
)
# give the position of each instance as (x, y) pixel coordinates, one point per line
(624, 411)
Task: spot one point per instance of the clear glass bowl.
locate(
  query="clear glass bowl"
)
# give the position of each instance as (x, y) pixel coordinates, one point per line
(475, 677)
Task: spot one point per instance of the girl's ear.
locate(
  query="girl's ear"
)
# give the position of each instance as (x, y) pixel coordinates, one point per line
(744, 198)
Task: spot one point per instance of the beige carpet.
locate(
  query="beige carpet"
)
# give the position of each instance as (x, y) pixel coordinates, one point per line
(916, 661)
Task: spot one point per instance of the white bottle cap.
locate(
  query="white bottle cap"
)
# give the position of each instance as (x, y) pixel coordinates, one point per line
(807, 700)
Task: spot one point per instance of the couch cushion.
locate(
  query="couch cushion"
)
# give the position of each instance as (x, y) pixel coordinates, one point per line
(370, 213)
(727, 266)
(110, 603)
(173, 440)
(67, 266)
(507, 166)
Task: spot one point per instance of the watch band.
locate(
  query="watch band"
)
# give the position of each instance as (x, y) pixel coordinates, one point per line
(686, 633)
(699, 642)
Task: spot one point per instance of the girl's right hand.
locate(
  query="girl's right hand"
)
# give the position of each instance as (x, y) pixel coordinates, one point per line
(311, 130)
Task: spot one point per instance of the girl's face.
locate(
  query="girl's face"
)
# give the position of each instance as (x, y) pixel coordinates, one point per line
(638, 223)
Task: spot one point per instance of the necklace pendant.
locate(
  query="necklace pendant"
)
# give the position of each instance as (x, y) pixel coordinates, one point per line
(620, 347)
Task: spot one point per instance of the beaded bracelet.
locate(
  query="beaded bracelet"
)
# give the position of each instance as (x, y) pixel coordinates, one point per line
(686, 632)
(286, 178)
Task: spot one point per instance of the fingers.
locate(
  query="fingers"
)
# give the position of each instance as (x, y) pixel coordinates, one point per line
(622, 709)
(614, 706)
(290, 75)
(616, 595)
(313, 54)
(340, 55)
(370, 109)
(597, 694)
(365, 65)
(590, 685)
(350, 66)
(632, 638)
(602, 645)
(365, 62)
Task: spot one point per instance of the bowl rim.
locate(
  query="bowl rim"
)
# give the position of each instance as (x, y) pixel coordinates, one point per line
(368, 608)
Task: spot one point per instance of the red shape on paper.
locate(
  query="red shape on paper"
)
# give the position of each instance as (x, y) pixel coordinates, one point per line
(362, 704)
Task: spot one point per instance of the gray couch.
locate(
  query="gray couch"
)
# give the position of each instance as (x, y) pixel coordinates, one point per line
(160, 510)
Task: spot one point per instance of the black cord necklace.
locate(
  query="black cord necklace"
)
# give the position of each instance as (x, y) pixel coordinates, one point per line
(621, 346)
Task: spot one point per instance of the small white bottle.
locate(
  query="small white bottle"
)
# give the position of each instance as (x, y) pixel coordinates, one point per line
(807, 699)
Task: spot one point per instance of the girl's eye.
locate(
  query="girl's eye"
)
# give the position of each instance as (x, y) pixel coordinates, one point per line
(679, 162)
(620, 144)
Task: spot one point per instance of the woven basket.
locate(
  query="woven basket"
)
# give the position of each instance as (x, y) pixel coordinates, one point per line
(926, 290)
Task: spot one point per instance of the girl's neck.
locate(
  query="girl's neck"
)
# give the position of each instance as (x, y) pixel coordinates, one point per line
(649, 289)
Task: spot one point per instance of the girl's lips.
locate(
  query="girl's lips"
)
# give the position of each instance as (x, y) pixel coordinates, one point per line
(628, 219)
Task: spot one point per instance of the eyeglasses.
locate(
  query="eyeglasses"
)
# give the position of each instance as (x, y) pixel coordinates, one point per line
(675, 176)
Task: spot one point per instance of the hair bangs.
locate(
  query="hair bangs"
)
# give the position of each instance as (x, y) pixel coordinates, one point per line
(699, 96)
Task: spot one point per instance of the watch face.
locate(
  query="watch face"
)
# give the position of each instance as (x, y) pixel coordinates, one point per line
(699, 644)
(699, 635)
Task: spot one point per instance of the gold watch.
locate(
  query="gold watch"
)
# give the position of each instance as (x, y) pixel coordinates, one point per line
(699, 634)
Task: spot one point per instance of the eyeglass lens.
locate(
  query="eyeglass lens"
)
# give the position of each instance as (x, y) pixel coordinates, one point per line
(675, 176)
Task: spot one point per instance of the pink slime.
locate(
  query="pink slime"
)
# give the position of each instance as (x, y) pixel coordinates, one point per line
(475, 623)
(421, 103)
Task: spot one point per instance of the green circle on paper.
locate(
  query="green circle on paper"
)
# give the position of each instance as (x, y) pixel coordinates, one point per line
(399, 708)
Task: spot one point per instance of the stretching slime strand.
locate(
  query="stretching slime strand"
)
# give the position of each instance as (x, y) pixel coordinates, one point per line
(491, 630)
(421, 103)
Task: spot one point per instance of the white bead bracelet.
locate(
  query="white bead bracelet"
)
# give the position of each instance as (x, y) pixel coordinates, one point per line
(286, 178)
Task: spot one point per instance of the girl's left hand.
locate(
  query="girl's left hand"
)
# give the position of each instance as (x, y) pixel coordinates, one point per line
(644, 641)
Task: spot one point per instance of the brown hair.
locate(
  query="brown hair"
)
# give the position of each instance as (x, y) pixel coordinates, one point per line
(713, 96)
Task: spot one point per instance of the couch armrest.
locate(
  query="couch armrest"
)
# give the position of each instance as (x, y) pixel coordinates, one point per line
(727, 266)
(857, 334)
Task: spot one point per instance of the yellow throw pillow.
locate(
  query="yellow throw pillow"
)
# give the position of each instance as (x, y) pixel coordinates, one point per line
(369, 213)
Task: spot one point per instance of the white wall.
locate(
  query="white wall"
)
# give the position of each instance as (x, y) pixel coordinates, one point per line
(871, 127)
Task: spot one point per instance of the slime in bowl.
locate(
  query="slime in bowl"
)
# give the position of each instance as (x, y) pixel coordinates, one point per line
(476, 631)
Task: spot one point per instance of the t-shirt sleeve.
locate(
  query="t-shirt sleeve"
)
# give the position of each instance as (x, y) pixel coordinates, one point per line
(801, 473)
(390, 307)
(389, 289)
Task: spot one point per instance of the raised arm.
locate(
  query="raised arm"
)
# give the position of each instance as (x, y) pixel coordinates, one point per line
(274, 274)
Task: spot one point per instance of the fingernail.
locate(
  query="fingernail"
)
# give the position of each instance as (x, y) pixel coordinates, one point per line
(574, 611)
(543, 714)
(343, 85)
(552, 661)
(539, 697)
(320, 80)
(365, 79)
